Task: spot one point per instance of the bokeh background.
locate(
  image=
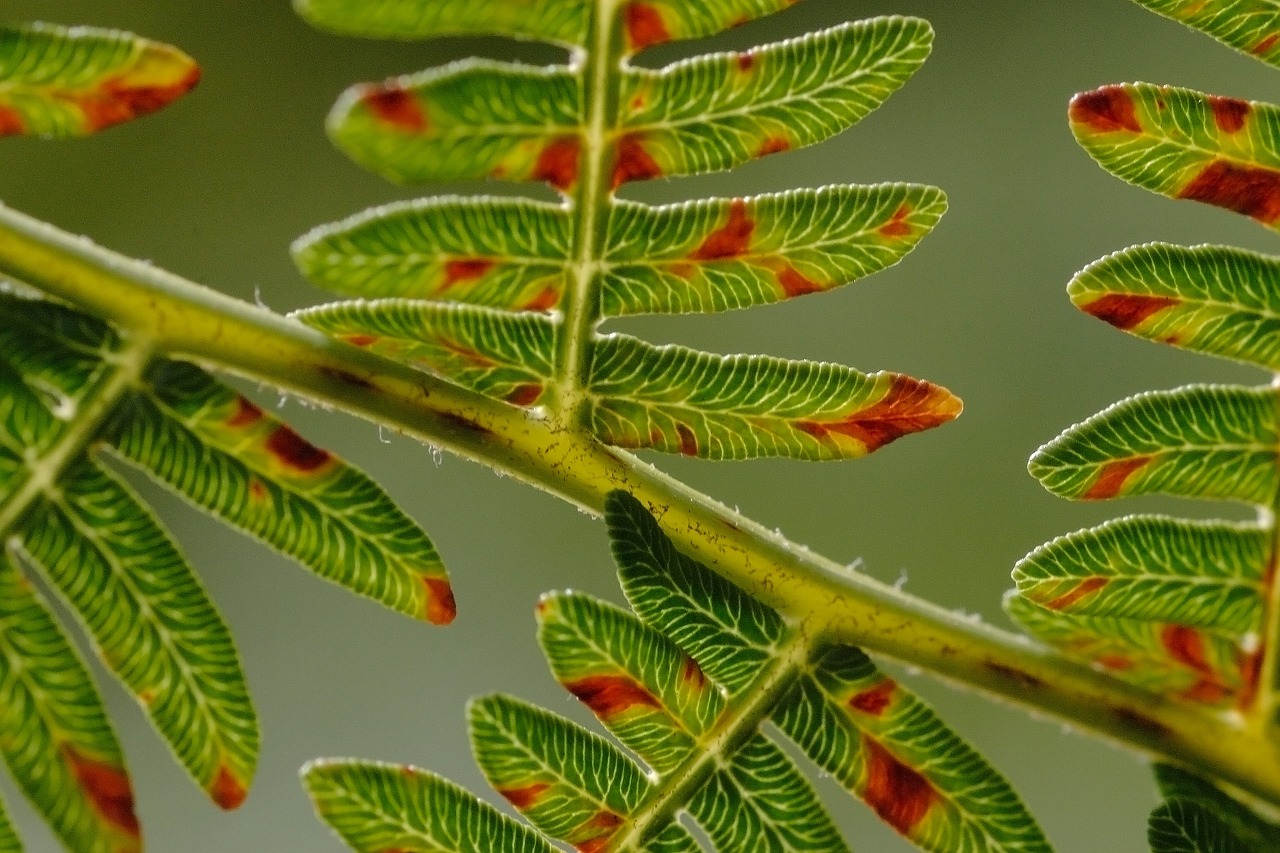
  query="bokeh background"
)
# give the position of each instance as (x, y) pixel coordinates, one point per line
(217, 186)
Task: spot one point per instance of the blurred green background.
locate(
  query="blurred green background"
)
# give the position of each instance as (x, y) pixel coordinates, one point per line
(216, 187)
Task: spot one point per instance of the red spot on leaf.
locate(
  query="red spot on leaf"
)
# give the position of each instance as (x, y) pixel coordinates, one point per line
(227, 791)
(1128, 310)
(117, 100)
(1185, 645)
(644, 26)
(361, 340)
(1229, 114)
(794, 283)
(107, 787)
(294, 451)
(606, 823)
(900, 795)
(467, 354)
(692, 674)
(729, 240)
(558, 163)
(875, 700)
(1112, 477)
(1265, 44)
(392, 104)
(688, 441)
(246, 414)
(774, 145)
(1115, 661)
(1105, 110)
(633, 162)
(524, 798)
(897, 226)
(610, 695)
(1086, 587)
(11, 123)
(911, 405)
(1251, 677)
(746, 61)
(524, 395)
(257, 491)
(1206, 690)
(1250, 190)
(468, 269)
(441, 608)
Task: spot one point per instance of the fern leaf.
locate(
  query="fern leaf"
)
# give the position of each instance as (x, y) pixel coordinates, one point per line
(719, 254)
(719, 111)
(563, 21)
(685, 685)
(1208, 299)
(9, 841)
(1208, 441)
(502, 253)
(1250, 26)
(1177, 784)
(1182, 827)
(738, 407)
(56, 738)
(1185, 144)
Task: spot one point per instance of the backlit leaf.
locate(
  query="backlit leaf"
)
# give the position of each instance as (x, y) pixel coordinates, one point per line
(1208, 299)
(1180, 826)
(649, 22)
(71, 81)
(551, 20)
(1250, 26)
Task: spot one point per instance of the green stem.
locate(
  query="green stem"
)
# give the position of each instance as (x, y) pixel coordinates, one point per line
(828, 600)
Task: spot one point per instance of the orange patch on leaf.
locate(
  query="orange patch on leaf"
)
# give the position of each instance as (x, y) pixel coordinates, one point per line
(468, 269)
(897, 226)
(900, 795)
(1115, 661)
(633, 162)
(1206, 690)
(911, 405)
(1229, 114)
(794, 283)
(774, 145)
(227, 791)
(875, 700)
(1082, 589)
(729, 240)
(545, 300)
(294, 451)
(1265, 44)
(688, 441)
(692, 674)
(1128, 310)
(1250, 190)
(257, 491)
(524, 395)
(1105, 110)
(1185, 645)
(1251, 677)
(117, 100)
(441, 608)
(107, 788)
(11, 122)
(1113, 476)
(644, 26)
(524, 798)
(558, 163)
(392, 104)
(246, 413)
(746, 61)
(361, 340)
(610, 695)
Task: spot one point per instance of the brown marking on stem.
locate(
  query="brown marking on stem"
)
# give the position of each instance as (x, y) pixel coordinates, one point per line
(1155, 731)
(118, 100)
(774, 145)
(462, 422)
(901, 796)
(874, 700)
(1229, 114)
(524, 395)
(1014, 674)
(794, 283)
(11, 122)
(897, 226)
(644, 26)
(545, 300)
(1115, 661)
(344, 377)
(1128, 310)
(293, 451)
(1251, 678)
(610, 695)
(558, 162)
(227, 791)
(107, 788)
(394, 105)
(633, 162)
(246, 414)
(688, 441)
(1113, 476)
(1088, 586)
(524, 798)
(464, 269)
(1265, 44)
(911, 405)
(441, 607)
(361, 340)
(1250, 190)
(1105, 110)
(729, 240)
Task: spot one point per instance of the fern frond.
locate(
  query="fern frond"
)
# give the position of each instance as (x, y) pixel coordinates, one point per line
(1197, 817)
(684, 683)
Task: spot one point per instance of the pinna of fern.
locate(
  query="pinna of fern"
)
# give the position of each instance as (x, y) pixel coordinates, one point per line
(1189, 611)
(79, 398)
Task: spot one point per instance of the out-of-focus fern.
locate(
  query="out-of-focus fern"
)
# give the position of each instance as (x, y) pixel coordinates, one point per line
(77, 397)
(1187, 610)
(685, 683)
